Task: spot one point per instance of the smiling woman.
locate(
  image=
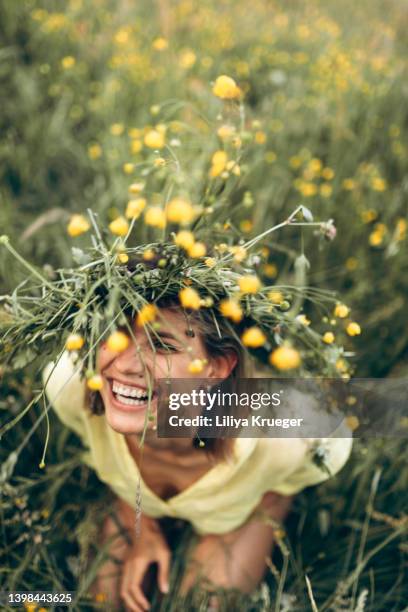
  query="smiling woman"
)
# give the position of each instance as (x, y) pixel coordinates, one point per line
(220, 491)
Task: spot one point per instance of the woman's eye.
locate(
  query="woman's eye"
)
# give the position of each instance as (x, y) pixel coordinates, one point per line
(163, 346)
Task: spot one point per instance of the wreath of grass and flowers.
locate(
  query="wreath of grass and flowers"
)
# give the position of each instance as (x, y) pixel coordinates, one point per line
(174, 242)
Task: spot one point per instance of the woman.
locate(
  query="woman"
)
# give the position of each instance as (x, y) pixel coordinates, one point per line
(232, 494)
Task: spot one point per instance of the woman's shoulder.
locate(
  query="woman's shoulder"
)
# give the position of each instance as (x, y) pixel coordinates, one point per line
(64, 388)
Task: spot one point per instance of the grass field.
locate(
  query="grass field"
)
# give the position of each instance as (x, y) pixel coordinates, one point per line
(82, 84)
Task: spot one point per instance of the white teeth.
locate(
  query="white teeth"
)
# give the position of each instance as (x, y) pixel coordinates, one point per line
(129, 401)
(127, 391)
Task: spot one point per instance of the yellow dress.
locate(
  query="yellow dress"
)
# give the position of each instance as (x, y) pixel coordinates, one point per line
(219, 501)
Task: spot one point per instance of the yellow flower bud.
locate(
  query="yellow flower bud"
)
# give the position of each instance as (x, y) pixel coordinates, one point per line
(231, 309)
(119, 226)
(226, 88)
(353, 329)
(198, 249)
(154, 139)
(78, 225)
(155, 217)
(95, 382)
(74, 342)
(196, 366)
(328, 337)
(135, 208)
(146, 314)
(285, 358)
(253, 337)
(180, 211)
(117, 342)
(341, 311)
(189, 298)
(249, 283)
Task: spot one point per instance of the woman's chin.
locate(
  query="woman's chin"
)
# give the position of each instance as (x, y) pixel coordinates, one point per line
(128, 421)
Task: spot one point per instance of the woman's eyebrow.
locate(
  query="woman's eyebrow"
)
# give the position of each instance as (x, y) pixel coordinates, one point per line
(165, 334)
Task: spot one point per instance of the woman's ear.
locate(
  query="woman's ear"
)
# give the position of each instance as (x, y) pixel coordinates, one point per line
(222, 365)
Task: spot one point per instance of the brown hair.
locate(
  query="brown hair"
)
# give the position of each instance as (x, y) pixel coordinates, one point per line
(218, 338)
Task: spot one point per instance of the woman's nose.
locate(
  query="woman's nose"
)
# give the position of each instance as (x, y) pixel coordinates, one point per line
(130, 361)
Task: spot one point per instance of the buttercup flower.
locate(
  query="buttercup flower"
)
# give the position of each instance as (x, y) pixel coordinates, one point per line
(249, 283)
(353, 329)
(226, 88)
(78, 225)
(119, 226)
(154, 139)
(285, 358)
(147, 314)
(253, 337)
(135, 208)
(189, 298)
(328, 337)
(185, 239)
(180, 211)
(155, 216)
(95, 382)
(232, 310)
(341, 311)
(117, 341)
(198, 249)
(196, 366)
(74, 342)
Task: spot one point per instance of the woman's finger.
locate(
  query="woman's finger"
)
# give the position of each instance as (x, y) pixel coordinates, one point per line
(131, 590)
(163, 561)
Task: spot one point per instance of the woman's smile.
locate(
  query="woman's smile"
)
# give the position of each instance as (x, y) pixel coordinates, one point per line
(129, 397)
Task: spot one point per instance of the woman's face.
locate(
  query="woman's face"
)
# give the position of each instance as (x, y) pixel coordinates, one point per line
(126, 375)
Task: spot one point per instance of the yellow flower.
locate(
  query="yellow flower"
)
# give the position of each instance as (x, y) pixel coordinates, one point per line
(94, 151)
(341, 365)
(160, 44)
(128, 168)
(159, 162)
(349, 184)
(341, 311)
(155, 217)
(376, 238)
(232, 310)
(328, 174)
(260, 137)
(189, 298)
(233, 167)
(136, 188)
(210, 262)
(326, 190)
(225, 132)
(148, 254)
(295, 161)
(249, 283)
(146, 314)
(119, 226)
(135, 208)
(196, 366)
(239, 252)
(270, 270)
(308, 189)
(226, 88)
(154, 139)
(400, 229)
(246, 225)
(187, 58)
(285, 358)
(328, 337)
(101, 597)
(198, 249)
(253, 337)
(303, 319)
(117, 342)
(123, 258)
(95, 382)
(276, 297)
(116, 129)
(353, 329)
(180, 211)
(74, 342)
(136, 146)
(184, 239)
(378, 184)
(77, 225)
(68, 62)
(352, 422)
(368, 215)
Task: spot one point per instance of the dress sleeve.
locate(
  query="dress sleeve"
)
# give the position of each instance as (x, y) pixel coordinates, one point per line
(324, 458)
(66, 393)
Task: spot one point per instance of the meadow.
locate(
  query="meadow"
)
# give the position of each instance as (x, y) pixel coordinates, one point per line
(96, 95)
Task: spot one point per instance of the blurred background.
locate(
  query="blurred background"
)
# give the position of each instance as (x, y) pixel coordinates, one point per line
(326, 96)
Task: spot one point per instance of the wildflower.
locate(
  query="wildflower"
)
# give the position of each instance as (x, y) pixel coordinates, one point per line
(196, 366)
(155, 217)
(260, 137)
(352, 422)
(328, 337)
(378, 184)
(184, 239)
(68, 62)
(135, 208)
(400, 229)
(218, 161)
(210, 262)
(146, 314)
(233, 167)
(123, 258)
(249, 283)
(136, 146)
(128, 168)
(74, 342)
(341, 311)
(276, 297)
(136, 188)
(303, 320)
(160, 44)
(225, 132)
(328, 174)
(376, 238)
(326, 190)
(349, 184)
(187, 58)
(95, 382)
(231, 309)
(180, 211)
(285, 358)
(117, 342)
(369, 215)
(270, 157)
(226, 88)
(119, 226)
(246, 225)
(154, 139)
(353, 329)
(341, 365)
(295, 161)
(270, 270)
(159, 162)
(78, 225)
(148, 254)
(198, 249)
(239, 252)
(100, 597)
(116, 129)
(189, 298)
(253, 337)
(94, 151)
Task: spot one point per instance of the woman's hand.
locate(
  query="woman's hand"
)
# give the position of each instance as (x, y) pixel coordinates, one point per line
(150, 546)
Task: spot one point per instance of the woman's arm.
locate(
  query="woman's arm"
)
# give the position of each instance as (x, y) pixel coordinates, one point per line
(131, 555)
(238, 559)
